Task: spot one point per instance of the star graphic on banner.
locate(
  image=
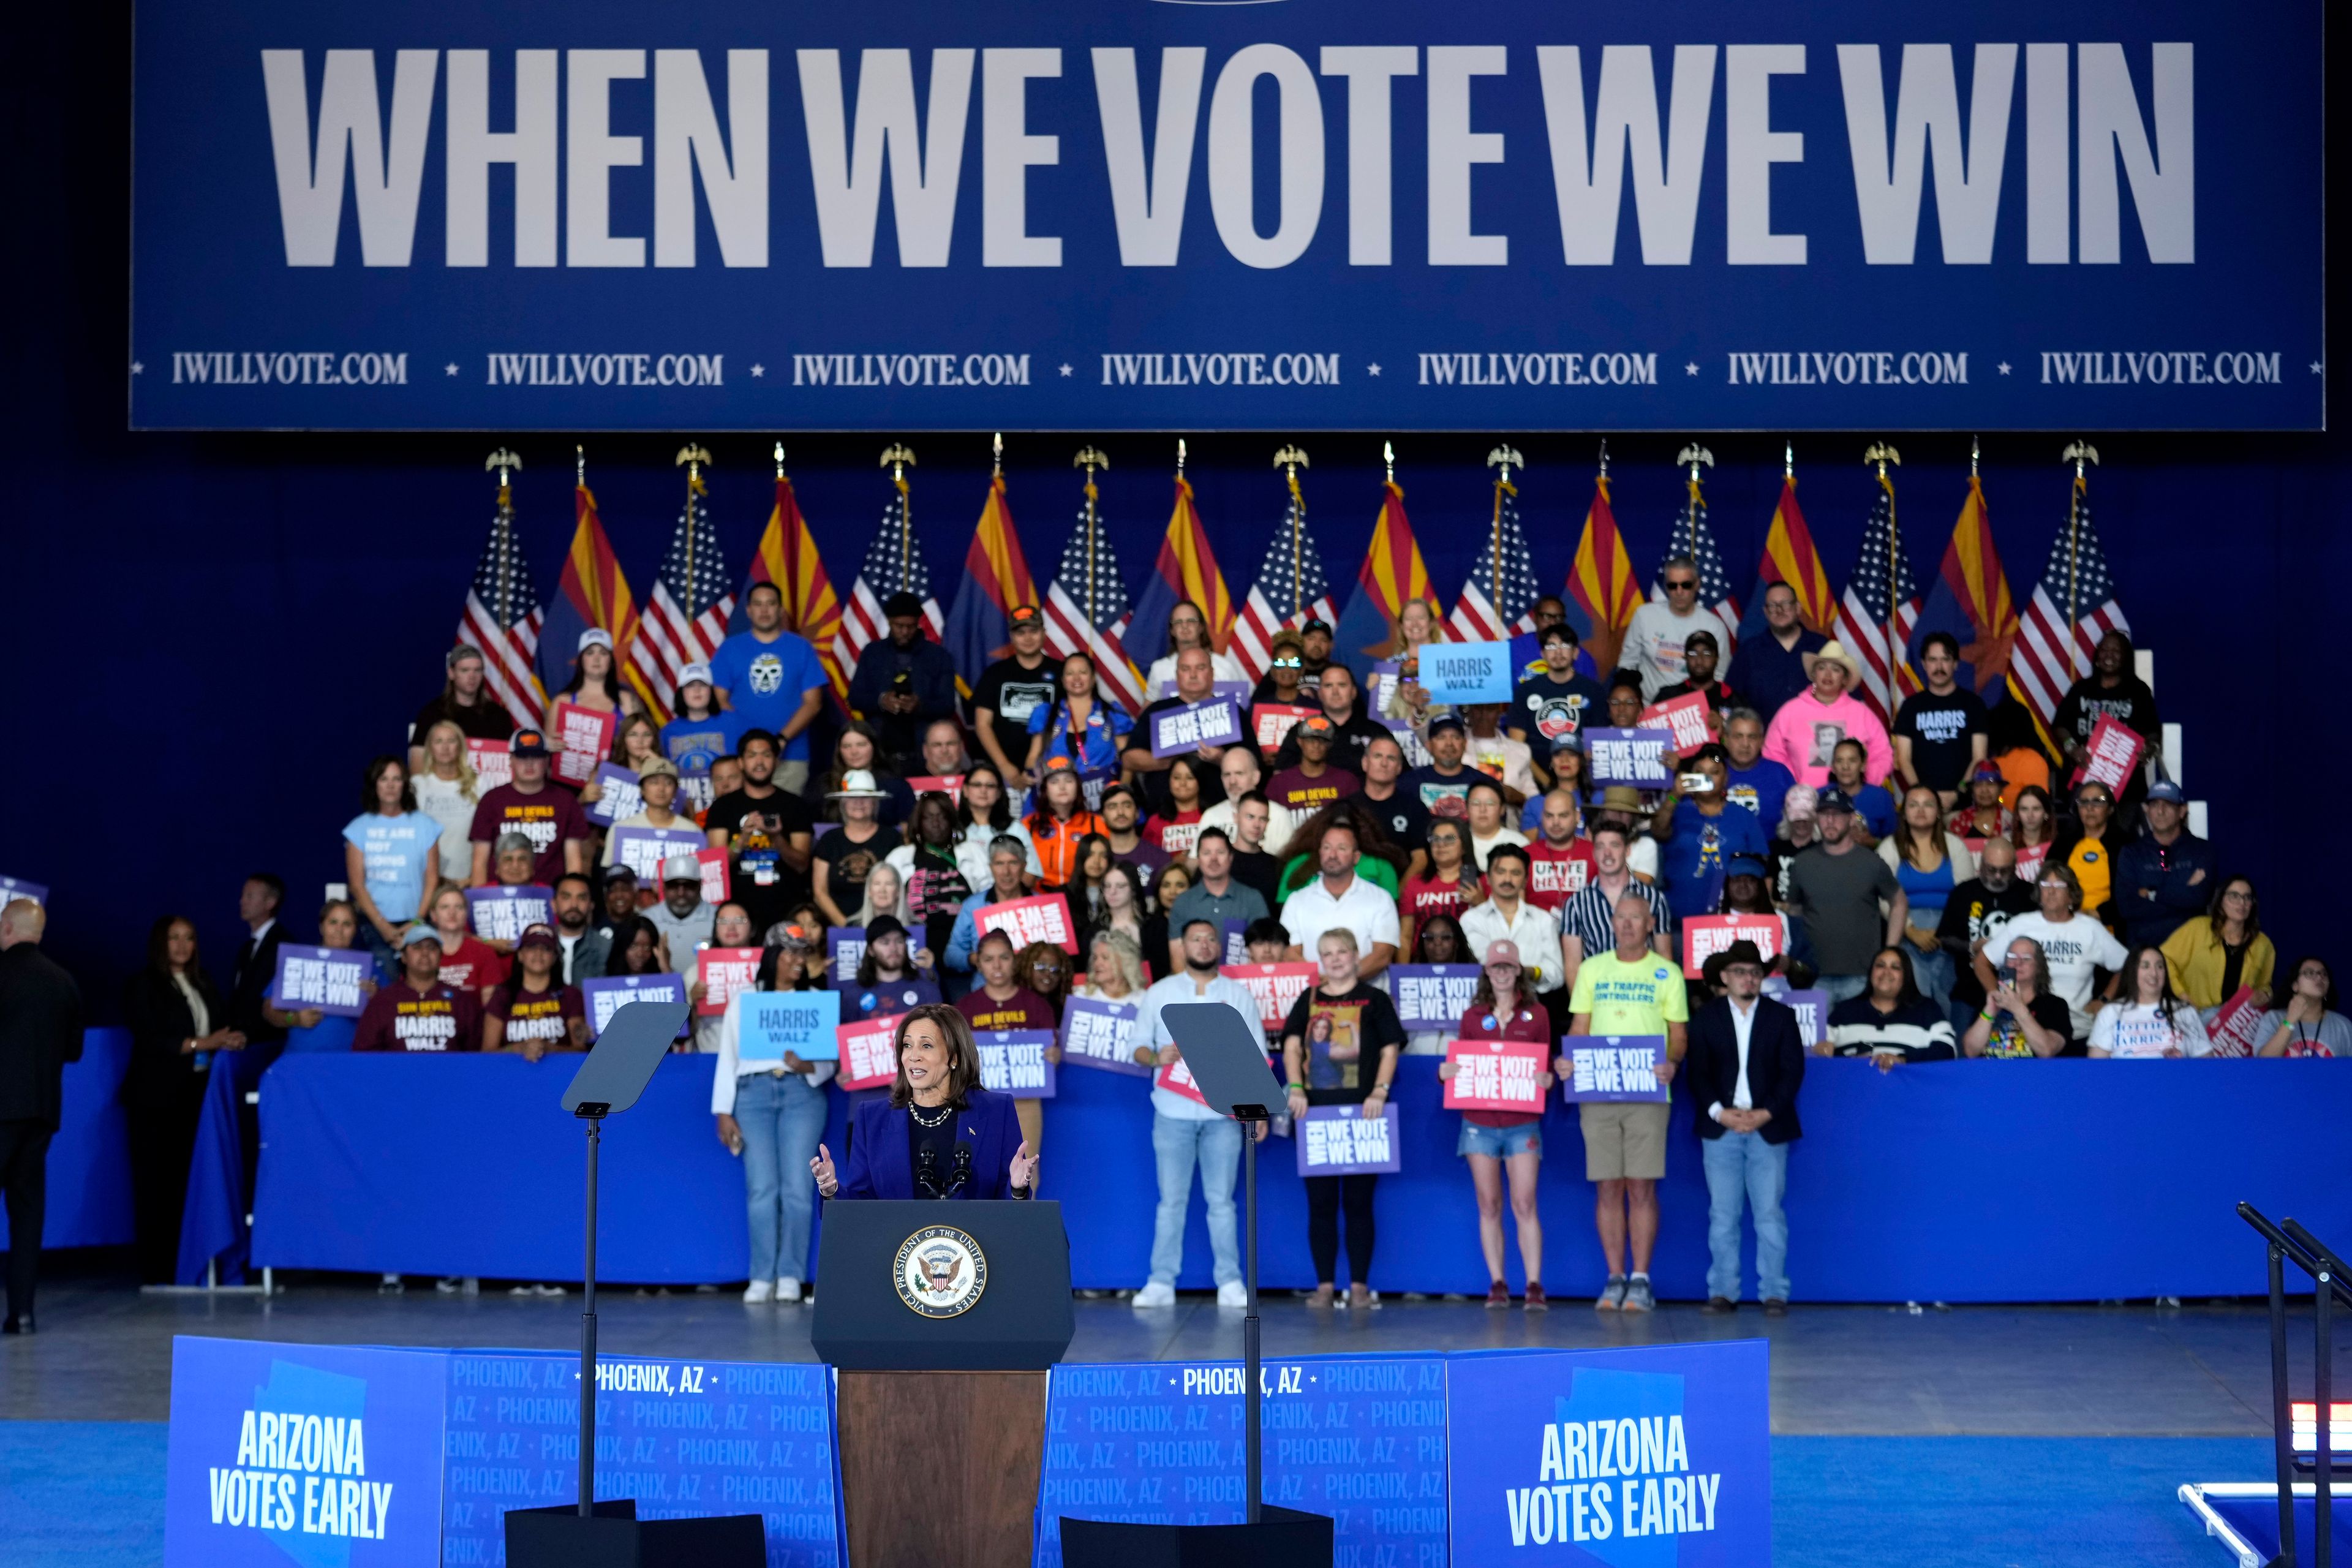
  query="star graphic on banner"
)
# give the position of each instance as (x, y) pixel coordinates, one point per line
(1065, 370)
(2004, 367)
(138, 369)
(449, 369)
(2316, 369)
(758, 371)
(1690, 367)
(1373, 369)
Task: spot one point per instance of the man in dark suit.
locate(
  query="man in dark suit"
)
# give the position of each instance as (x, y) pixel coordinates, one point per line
(1745, 1063)
(256, 958)
(40, 1031)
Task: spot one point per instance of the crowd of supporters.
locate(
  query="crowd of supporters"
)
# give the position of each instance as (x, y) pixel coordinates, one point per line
(1952, 884)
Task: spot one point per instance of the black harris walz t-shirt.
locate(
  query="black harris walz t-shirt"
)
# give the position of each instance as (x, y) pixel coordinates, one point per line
(1939, 728)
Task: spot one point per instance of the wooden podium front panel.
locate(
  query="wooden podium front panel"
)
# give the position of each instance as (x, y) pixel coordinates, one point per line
(942, 1467)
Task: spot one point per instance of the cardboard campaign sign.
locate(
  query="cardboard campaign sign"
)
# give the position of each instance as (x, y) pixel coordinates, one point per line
(617, 795)
(1459, 672)
(1612, 1068)
(1275, 986)
(1177, 1079)
(2029, 861)
(1496, 1075)
(1045, 918)
(1685, 716)
(715, 887)
(17, 887)
(502, 914)
(643, 849)
(2115, 748)
(1812, 1011)
(1273, 721)
(1635, 757)
(1704, 936)
(1099, 1034)
(948, 784)
(581, 738)
(1236, 949)
(724, 971)
(1431, 996)
(1016, 1062)
(869, 1056)
(329, 979)
(1341, 1140)
(1178, 730)
(844, 949)
(491, 762)
(2236, 1028)
(609, 995)
(801, 1022)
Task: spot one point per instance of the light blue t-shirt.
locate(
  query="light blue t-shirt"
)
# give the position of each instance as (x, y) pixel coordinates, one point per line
(765, 682)
(695, 743)
(396, 850)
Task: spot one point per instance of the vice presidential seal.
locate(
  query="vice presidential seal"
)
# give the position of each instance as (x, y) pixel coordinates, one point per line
(941, 1271)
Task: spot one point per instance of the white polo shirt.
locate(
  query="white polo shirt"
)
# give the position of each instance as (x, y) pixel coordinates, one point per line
(1362, 909)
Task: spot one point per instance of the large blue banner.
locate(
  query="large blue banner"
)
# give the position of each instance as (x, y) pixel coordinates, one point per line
(1310, 215)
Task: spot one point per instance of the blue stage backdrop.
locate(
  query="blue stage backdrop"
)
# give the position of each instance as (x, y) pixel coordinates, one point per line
(402, 216)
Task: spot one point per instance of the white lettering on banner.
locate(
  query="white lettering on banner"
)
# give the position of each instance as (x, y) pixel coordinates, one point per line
(1612, 1069)
(319, 983)
(287, 367)
(1012, 1066)
(1509, 1078)
(911, 370)
(1869, 367)
(1649, 1486)
(555, 369)
(1243, 369)
(1539, 369)
(2159, 367)
(329, 1455)
(1346, 1139)
(1549, 875)
(868, 1054)
(2084, 117)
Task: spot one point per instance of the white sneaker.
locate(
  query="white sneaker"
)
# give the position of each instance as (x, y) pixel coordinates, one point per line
(1233, 1293)
(758, 1292)
(1156, 1294)
(788, 1288)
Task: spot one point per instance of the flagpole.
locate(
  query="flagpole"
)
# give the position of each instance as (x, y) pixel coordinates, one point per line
(1290, 459)
(1089, 458)
(899, 459)
(504, 461)
(1882, 454)
(692, 458)
(1694, 454)
(1505, 457)
(2078, 452)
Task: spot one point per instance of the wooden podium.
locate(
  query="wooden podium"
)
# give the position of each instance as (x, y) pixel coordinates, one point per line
(941, 1381)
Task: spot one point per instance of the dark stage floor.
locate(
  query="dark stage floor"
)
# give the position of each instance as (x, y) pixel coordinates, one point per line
(104, 1351)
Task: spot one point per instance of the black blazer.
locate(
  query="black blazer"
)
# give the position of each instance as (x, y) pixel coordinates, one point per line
(41, 1032)
(160, 1019)
(1776, 1066)
(252, 977)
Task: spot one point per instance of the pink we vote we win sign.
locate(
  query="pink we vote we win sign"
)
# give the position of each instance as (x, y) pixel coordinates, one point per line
(1045, 918)
(1495, 1075)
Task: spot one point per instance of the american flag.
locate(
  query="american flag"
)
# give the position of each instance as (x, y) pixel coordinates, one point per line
(894, 563)
(1087, 608)
(1862, 611)
(1694, 538)
(1290, 589)
(502, 618)
(2076, 588)
(686, 620)
(1499, 598)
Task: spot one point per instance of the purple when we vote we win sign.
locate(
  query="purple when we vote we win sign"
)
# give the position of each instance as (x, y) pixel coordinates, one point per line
(1216, 723)
(329, 979)
(1433, 995)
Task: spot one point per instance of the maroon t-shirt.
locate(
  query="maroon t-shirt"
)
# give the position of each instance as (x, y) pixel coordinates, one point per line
(542, 1016)
(547, 819)
(1024, 1009)
(401, 1018)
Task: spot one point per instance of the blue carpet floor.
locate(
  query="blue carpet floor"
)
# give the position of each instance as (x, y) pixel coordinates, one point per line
(90, 1495)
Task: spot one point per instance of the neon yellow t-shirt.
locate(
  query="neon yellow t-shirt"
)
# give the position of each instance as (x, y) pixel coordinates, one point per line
(1638, 998)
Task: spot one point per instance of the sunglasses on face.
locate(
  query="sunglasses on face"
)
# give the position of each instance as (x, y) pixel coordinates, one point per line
(1286, 663)
(1682, 587)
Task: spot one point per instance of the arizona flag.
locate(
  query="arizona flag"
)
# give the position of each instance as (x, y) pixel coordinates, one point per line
(593, 592)
(995, 582)
(1391, 577)
(1790, 557)
(1187, 569)
(787, 557)
(1602, 593)
(1970, 601)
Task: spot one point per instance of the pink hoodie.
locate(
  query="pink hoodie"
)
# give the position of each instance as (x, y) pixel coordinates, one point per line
(1806, 731)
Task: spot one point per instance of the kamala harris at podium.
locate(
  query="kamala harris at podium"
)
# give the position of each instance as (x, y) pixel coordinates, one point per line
(940, 1134)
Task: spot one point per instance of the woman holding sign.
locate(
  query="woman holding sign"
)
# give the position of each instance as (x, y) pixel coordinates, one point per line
(1340, 1045)
(593, 684)
(940, 1134)
(1493, 1140)
(771, 1110)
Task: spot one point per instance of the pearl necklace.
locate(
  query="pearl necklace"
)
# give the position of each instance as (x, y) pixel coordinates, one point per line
(940, 1121)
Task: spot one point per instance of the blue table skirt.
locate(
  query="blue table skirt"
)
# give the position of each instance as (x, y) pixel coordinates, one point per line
(1966, 1181)
(89, 1161)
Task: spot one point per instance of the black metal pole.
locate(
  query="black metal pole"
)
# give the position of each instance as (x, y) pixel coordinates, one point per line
(588, 1342)
(1252, 1438)
(2281, 1423)
(2323, 1384)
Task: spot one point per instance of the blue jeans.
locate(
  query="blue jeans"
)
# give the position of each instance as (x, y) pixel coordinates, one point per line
(386, 956)
(1216, 1146)
(782, 1119)
(1741, 1166)
(1840, 988)
(1935, 973)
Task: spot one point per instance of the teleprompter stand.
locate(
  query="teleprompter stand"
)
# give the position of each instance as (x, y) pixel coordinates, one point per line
(1227, 1059)
(591, 1534)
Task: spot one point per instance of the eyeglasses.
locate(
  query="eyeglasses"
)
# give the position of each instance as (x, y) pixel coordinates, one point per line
(1286, 662)
(2237, 896)
(1682, 585)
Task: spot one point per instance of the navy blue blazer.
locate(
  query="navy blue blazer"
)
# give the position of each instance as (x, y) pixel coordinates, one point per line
(881, 1165)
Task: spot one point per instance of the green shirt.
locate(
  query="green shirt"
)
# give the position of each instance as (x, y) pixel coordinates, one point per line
(1638, 998)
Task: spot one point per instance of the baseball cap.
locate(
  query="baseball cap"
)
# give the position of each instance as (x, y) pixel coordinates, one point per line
(901, 603)
(881, 926)
(536, 935)
(1058, 765)
(528, 743)
(2165, 789)
(1025, 616)
(694, 672)
(418, 932)
(1830, 799)
(1744, 865)
(1313, 624)
(1448, 722)
(1315, 725)
(595, 636)
(661, 765)
(785, 934)
(682, 868)
(1503, 950)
